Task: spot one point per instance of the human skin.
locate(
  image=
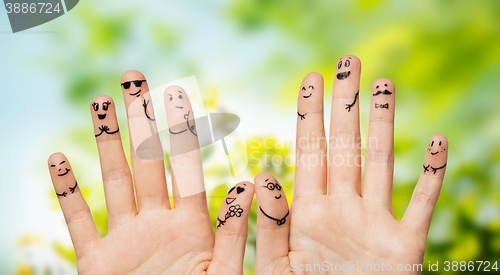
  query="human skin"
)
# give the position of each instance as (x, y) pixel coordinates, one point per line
(149, 237)
(332, 218)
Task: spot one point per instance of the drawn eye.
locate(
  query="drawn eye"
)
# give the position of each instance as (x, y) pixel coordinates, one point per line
(440, 143)
(347, 63)
(180, 96)
(340, 64)
(171, 98)
(270, 186)
(303, 88)
(385, 85)
(95, 106)
(278, 186)
(377, 86)
(105, 105)
(311, 87)
(432, 144)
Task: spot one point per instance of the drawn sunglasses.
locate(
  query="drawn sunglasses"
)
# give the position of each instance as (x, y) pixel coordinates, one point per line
(137, 83)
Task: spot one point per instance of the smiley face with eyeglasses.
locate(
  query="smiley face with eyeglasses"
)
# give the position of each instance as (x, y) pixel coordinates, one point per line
(273, 185)
(137, 83)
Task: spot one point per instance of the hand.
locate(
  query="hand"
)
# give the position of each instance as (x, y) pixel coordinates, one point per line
(149, 237)
(333, 223)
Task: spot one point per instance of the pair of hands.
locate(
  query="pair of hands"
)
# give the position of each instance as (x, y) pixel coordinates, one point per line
(332, 223)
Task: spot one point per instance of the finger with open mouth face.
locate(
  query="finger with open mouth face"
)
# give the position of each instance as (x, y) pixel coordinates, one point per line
(232, 226)
(118, 191)
(344, 139)
(104, 117)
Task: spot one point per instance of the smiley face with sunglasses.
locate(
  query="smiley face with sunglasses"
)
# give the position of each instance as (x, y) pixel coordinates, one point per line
(137, 83)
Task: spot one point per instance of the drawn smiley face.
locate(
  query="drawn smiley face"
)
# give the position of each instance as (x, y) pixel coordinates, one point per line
(272, 186)
(134, 91)
(239, 189)
(382, 90)
(177, 99)
(63, 170)
(341, 75)
(103, 106)
(307, 91)
(434, 150)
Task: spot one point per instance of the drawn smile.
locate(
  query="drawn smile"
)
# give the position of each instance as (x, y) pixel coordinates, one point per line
(344, 75)
(308, 96)
(136, 94)
(230, 200)
(101, 116)
(63, 174)
(278, 197)
(180, 107)
(434, 153)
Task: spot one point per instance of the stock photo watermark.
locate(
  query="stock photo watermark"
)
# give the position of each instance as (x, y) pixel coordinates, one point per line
(311, 151)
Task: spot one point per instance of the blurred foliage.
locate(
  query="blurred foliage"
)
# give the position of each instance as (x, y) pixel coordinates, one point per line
(443, 56)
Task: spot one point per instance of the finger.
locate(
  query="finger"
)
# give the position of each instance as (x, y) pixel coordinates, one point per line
(232, 230)
(345, 142)
(426, 193)
(185, 155)
(273, 222)
(117, 180)
(146, 152)
(379, 158)
(311, 163)
(81, 227)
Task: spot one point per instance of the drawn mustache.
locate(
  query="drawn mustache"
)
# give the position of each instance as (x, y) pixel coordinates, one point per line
(386, 92)
(105, 129)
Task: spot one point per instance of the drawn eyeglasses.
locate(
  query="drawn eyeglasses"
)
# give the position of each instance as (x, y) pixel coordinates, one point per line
(137, 83)
(271, 186)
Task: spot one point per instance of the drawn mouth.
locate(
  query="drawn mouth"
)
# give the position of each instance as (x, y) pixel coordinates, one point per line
(180, 107)
(307, 96)
(344, 75)
(434, 153)
(101, 116)
(136, 94)
(230, 200)
(63, 174)
(277, 197)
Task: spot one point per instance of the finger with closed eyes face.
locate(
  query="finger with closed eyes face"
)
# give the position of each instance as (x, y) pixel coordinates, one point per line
(185, 155)
(426, 193)
(345, 142)
(273, 222)
(311, 162)
(146, 152)
(232, 229)
(379, 168)
(81, 226)
(117, 179)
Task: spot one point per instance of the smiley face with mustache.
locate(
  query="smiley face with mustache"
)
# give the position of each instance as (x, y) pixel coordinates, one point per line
(384, 92)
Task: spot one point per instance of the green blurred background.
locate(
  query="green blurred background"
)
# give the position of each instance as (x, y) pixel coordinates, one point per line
(249, 58)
